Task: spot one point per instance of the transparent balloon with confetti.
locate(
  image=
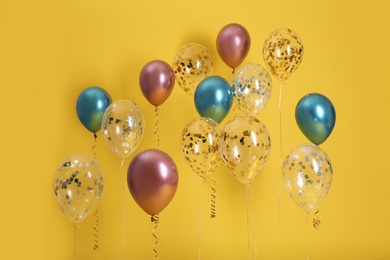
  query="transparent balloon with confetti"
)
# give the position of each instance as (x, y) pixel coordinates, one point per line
(78, 186)
(191, 64)
(307, 174)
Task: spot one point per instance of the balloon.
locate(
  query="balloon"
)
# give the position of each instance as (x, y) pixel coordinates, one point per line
(152, 178)
(307, 174)
(78, 186)
(245, 147)
(283, 52)
(233, 43)
(123, 126)
(213, 98)
(316, 117)
(157, 81)
(191, 65)
(90, 107)
(199, 144)
(252, 88)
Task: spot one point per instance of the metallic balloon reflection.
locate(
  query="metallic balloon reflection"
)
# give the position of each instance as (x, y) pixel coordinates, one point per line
(315, 117)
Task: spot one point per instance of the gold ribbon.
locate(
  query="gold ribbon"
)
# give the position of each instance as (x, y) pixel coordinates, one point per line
(156, 127)
(155, 219)
(213, 191)
(95, 232)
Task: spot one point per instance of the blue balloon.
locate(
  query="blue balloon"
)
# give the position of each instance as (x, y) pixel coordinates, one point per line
(90, 107)
(213, 98)
(316, 117)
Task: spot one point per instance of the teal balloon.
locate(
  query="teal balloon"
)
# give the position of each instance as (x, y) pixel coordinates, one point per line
(90, 107)
(316, 117)
(213, 98)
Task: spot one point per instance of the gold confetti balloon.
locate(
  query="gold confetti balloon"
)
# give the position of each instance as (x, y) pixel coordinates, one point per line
(123, 127)
(78, 186)
(245, 147)
(199, 143)
(252, 86)
(283, 52)
(191, 65)
(307, 174)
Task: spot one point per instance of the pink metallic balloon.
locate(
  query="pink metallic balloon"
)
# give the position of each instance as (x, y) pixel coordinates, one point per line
(233, 43)
(156, 81)
(152, 178)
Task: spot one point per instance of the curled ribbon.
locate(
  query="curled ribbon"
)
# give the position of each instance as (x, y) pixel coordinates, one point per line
(213, 191)
(155, 219)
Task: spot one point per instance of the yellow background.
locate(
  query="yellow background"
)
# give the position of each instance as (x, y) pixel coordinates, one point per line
(50, 50)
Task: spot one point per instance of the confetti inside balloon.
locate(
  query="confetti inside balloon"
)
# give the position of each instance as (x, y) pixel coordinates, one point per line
(283, 52)
(78, 186)
(191, 65)
(199, 143)
(307, 174)
(123, 127)
(252, 86)
(245, 147)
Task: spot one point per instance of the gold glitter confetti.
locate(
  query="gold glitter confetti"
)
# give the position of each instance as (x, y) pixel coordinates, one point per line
(282, 52)
(244, 148)
(199, 143)
(191, 65)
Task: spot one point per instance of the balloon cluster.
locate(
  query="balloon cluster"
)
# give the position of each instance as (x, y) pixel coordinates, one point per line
(243, 144)
(307, 169)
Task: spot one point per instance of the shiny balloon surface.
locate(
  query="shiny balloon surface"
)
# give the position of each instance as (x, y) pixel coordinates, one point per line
(213, 98)
(90, 107)
(316, 117)
(152, 178)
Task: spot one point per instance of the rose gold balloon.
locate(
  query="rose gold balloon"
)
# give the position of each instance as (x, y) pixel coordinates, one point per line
(233, 43)
(157, 81)
(152, 178)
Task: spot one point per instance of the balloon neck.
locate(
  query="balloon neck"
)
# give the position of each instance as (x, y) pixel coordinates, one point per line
(154, 219)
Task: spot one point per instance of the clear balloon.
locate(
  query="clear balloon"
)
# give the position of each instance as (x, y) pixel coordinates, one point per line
(233, 44)
(252, 88)
(191, 65)
(316, 117)
(245, 147)
(213, 98)
(307, 174)
(199, 144)
(283, 52)
(90, 107)
(152, 178)
(123, 127)
(156, 81)
(78, 186)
